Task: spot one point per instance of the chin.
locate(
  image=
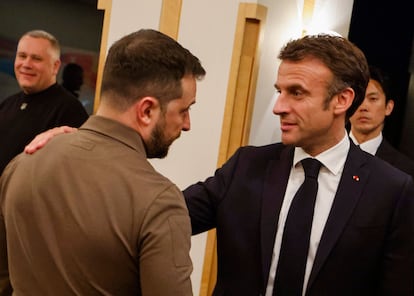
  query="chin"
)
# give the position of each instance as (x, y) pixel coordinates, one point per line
(288, 140)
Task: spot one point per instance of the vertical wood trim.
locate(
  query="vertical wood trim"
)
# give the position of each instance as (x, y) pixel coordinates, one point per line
(105, 5)
(247, 13)
(170, 17)
(307, 14)
(238, 109)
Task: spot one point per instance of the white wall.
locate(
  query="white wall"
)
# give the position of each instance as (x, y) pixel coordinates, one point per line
(128, 16)
(207, 29)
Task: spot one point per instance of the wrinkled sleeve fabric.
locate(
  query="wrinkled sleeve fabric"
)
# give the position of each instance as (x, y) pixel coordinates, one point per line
(5, 285)
(164, 246)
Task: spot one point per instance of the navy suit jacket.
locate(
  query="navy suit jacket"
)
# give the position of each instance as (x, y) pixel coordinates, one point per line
(391, 155)
(366, 247)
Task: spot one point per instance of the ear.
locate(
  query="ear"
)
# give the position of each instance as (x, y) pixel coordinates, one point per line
(344, 100)
(56, 66)
(389, 107)
(147, 111)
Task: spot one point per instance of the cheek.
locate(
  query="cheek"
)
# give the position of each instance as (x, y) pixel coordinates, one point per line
(17, 65)
(380, 114)
(45, 70)
(172, 124)
(318, 118)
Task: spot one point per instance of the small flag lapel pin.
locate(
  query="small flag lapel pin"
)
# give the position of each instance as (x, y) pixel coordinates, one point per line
(356, 178)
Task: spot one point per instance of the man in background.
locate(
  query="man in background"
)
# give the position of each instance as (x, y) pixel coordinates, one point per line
(42, 104)
(367, 123)
(72, 78)
(89, 215)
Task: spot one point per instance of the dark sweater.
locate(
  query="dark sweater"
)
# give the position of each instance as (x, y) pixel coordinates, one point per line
(23, 116)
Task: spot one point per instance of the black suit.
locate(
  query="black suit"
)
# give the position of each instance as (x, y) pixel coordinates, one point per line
(388, 153)
(367, 244)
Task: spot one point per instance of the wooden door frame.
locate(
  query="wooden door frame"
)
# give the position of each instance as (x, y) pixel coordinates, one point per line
(238, 110)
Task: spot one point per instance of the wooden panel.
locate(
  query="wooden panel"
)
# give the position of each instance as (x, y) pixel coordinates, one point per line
(238, 110)
(307, 14)
(105, 5)
(170, 17)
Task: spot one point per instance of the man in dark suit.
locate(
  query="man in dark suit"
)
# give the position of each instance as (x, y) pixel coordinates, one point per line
(361, 237)
(368, 122)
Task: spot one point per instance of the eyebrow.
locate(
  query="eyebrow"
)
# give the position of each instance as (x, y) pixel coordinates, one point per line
(293, 87)
(30, 55)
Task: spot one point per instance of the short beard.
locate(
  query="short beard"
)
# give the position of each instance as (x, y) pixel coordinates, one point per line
(157, 146)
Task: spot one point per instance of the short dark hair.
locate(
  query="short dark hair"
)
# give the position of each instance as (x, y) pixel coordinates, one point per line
(380, 76)
(146, 63)
(345, 60)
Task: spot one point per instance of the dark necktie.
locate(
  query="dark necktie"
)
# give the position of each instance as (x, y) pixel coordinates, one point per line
(296, 235)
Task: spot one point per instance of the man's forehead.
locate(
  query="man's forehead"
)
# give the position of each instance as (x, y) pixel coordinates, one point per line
(35, 47)
(29, 41)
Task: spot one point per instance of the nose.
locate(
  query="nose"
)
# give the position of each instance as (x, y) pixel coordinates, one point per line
(363, 106)
(280, 105)
(187, 123)
(27, 63)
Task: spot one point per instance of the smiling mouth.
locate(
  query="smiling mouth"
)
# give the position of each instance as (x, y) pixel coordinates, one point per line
(26, 73)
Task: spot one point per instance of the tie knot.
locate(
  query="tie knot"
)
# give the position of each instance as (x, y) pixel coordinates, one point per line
(311, 167)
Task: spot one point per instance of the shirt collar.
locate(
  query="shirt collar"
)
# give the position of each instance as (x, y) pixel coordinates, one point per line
(370, 146)
(333, 158)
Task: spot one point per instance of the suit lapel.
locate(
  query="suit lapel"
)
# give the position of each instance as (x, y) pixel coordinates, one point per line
(350, 188)
(275, 183)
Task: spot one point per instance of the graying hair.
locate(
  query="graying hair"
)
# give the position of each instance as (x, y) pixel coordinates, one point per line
(45, 35)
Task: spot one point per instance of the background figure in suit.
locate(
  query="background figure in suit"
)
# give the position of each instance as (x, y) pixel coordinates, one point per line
(367, 123)
(89, 215)
(361, 240)
(43, 103)
(72, 78)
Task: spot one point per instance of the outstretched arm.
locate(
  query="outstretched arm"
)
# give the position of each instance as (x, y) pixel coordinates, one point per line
(41, 139)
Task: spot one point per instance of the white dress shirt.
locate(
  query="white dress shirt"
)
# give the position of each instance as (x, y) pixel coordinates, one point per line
(370, 146)
(333, 161)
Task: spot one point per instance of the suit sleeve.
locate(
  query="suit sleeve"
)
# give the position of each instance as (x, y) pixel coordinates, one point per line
(203, 198)
(165, 263)
(398, 260)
